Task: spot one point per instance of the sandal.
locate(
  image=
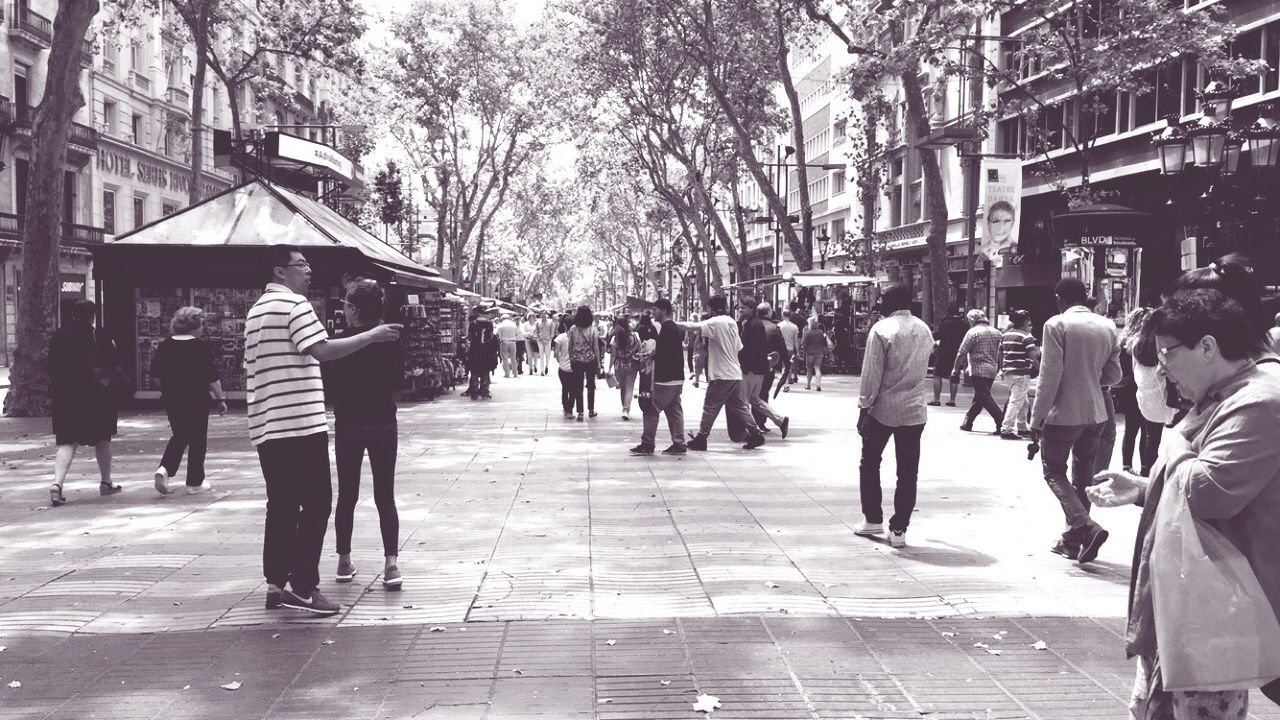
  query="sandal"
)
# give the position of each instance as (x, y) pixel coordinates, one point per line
(56, 497)
(109, 488)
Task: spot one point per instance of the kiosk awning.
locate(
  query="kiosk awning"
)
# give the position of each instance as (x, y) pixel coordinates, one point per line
(258, 214)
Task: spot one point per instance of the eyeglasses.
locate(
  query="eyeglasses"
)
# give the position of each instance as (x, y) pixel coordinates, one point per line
(1164, 352)
(304, 264)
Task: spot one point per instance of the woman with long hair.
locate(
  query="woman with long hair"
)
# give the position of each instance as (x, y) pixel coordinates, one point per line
(84, 411)
(623, 345)
(585, 359)
(1138, 359)
(362, 386)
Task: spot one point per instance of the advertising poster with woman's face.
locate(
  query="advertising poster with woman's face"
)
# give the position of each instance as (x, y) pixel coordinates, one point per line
(1002, 193)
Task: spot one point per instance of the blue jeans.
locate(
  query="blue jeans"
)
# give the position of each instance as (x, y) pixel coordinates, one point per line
(906, 450)
(1079, 444)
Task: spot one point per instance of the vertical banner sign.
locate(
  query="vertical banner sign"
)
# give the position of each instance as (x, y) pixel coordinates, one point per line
(1001, 206)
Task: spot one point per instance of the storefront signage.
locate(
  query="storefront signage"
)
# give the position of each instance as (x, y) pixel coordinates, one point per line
(1002, 196)
(288, 147)
(72, 285)
(122, 165)
(1107, 240)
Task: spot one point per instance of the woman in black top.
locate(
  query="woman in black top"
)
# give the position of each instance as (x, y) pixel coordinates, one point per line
(84, 413)
(184, 366)
(361, 387)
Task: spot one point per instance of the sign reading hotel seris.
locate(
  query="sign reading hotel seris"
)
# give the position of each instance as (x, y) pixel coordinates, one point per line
(123, 166)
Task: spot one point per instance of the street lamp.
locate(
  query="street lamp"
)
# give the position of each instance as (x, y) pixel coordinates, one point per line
(824, 241)
(1208, 141)
(1171, 144)
(1264, 143)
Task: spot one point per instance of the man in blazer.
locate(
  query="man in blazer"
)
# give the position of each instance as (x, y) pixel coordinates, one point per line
(1081, 355)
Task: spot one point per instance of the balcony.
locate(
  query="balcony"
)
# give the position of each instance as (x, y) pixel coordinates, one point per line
(82, 234)
(22, 115)
(86, 58)
(30, 27)
(11, 228)
(83, 136)
(304, 103)
(179, 98)
(140, 82)
(6, 113)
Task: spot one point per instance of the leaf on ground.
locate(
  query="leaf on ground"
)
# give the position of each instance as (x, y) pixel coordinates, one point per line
(666, 631)
(706, 703)
(610, 642)
(233, 685)
(980, 645)
(771, 584)
(437, 628)
(15, 684)
(517, 671)
(666, 682)
(993, 651)
(327, 642)
(1039, 645)
(948, 634)
(273, 637)
(604, 701)
(186, 687)
(3, 648)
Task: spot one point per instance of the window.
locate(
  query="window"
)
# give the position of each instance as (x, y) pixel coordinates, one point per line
(135, 130)
(1271, 53)
(840, 132)
(167, 209)
(139, 210)
(1192, 80)
(837, 234)
(1249, 46)
(837, 182)
(135, 56)
(217, 107)
(170, 142)
(1009, 133)
(110, 116)
(109, 211)
(109, 56)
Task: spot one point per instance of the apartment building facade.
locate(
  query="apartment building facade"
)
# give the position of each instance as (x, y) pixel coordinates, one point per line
(1194, 218)
(129, 150)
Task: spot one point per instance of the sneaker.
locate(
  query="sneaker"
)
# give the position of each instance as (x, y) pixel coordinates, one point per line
(934, 403)
(967, 427)
(951, 403)
(764, 430)
(626, 414)
(274, 596)
(161, 479)
(580, 418)
(315, 604)
(592, 413)
(868, 529)
(1091, 542)
(698, 442)
(642, 450)
(345, 572)
(898, 538)
(785, 426)
(675, 450)
(391, 579)
(1066, 549)
(197, 489)
(819, 388)
(1009, 435)
(786, 388)
(753, 442)
(568, 414)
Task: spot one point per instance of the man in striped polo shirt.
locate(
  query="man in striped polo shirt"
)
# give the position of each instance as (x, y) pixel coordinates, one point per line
(284, 343)
(1019, 355)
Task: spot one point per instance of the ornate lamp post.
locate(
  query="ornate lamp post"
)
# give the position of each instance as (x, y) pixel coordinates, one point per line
(824, 242)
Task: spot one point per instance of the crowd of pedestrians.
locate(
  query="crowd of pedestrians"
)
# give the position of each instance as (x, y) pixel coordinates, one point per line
(1196, 379)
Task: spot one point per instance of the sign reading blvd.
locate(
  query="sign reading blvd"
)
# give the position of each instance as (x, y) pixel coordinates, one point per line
(288, 147)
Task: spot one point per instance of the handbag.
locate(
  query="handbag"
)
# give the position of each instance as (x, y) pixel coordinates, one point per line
(109, 377)
(1215, 628)
(612, 380)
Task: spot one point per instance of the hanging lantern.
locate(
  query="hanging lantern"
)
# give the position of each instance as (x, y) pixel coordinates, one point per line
(1171, 144)
(1231, 154)
(1208, 142)
(1264, 143)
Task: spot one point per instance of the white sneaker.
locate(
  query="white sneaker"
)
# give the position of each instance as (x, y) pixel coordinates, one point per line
(626, 414)
(868, 529)
(161, 481)
(898, 538)
(195, 489)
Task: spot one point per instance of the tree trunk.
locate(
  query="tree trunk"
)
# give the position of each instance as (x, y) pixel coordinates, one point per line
(201, 34)
(442, 216)
(797, 138)
(936, 202)
(30, 388)
(868, 189)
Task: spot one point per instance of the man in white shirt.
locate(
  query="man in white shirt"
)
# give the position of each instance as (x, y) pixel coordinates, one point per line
(529, 339)
(545, 329)
(564, 366)
(725, 375)
(508, 334)
(895, 368)
(791, 336)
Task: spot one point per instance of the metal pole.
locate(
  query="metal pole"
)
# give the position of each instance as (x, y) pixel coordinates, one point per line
(971, 162)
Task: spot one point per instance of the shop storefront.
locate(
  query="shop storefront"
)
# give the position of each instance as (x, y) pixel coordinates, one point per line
(214, 255)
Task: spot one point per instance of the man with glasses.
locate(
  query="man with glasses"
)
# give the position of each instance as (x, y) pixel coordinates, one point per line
(284, 344)
(1079, 361)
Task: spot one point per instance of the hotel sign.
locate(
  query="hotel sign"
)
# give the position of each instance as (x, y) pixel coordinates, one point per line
(126, 167)
(288, 147)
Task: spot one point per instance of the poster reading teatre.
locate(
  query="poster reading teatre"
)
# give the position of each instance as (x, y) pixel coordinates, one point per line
(1002, 191)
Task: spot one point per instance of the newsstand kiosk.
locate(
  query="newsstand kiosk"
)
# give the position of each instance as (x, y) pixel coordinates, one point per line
(214, 255)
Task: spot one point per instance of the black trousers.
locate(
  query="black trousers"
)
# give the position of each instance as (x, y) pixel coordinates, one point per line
(584, 374)
(906, 449)
(566, 390)
(299, 500)
(349, 447)
(520, 353)
(983, 400)
(189, 433)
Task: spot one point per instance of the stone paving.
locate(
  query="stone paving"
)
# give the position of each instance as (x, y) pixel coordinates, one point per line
(551, 575)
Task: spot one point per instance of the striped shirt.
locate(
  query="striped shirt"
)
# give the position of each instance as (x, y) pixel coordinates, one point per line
(285, 392)
(1015, 348)
(894, 368)
(981, 350)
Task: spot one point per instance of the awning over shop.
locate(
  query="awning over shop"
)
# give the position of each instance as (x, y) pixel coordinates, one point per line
(815, 278)
(258, 214)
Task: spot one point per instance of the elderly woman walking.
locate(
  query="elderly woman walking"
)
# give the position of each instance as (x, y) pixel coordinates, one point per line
(814, 344)
(184, 366)
(1220, 464)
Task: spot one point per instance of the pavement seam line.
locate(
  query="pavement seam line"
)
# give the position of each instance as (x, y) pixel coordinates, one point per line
(891, 676)
(1074, 666)
(795, 679)
(990, 675)
(684, 543)
(497, 542)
